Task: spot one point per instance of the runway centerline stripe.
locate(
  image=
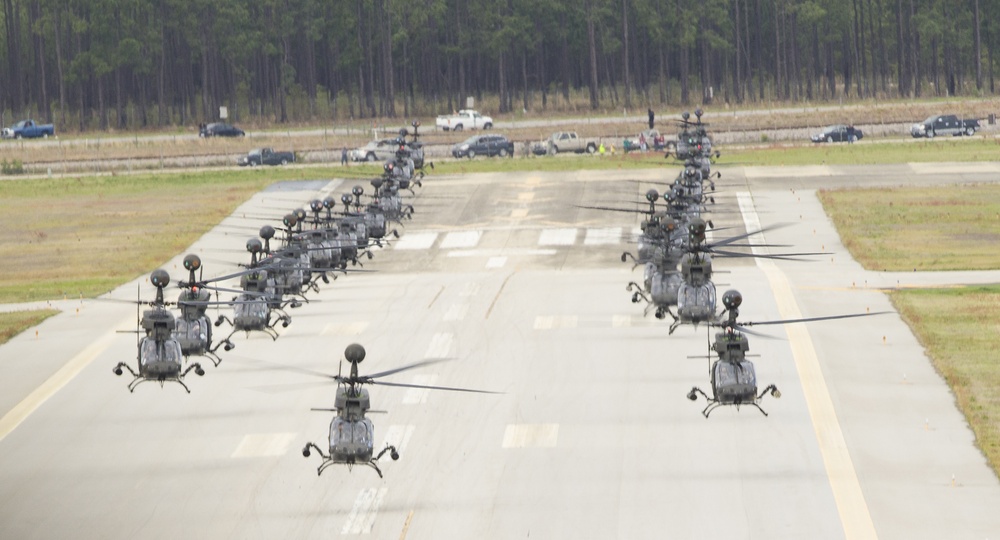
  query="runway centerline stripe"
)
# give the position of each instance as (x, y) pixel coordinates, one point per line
(456, 312)
(604, 236)
(531, 436)
(840, 471)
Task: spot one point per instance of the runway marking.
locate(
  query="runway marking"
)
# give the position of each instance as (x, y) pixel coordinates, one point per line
(414, 241)
(440, 346)
(56, 382)
(526, 196)
(621, 321)
(264, 445)
(398, 436)
(345, 329)
(600, 237)
(519, 213)
(496, 262)
(456, 312)
(406, 525)
(557, 237)
(415, 396)
(531, 436)
(471, 289)
(500, 252)
(497, 295)
(461, 239)
(549, 322)
(851, 505)
(362, 516)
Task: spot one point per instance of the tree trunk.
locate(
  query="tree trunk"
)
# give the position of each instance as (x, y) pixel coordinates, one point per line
(592, 41)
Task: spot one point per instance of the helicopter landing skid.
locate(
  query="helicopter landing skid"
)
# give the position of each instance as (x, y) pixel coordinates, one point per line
(714, 403)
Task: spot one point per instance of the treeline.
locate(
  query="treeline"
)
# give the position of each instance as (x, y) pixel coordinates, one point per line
(135, 63)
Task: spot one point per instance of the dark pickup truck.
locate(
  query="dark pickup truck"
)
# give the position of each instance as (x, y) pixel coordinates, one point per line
(266, 156)
(944, 124)
(28, 129)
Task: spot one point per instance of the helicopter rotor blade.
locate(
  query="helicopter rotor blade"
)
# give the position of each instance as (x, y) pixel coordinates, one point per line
(728, 241)
(812, 319)
(449, 388)
(422, 363)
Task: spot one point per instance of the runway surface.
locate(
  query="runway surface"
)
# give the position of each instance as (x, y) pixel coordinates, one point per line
(592, 436)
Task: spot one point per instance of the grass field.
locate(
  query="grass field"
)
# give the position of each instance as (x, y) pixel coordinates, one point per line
(959, 328)
(15, 322)
(941, 228)
(960, 149)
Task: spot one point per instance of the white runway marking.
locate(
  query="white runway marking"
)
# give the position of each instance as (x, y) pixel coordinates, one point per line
(600, 237)
(421, 240)
(414, 396)
(264, 445)
(496, 262)
(440, 346)
(840, 471)
(456, 312)
(398, 436)
(526, 196)
(621, 321)
(362, 516)
(549, 322)
(500, 252)
(471, 289)
(531, 436)
(519, 213)
(461, 239)
(345, 329)
(557, 237)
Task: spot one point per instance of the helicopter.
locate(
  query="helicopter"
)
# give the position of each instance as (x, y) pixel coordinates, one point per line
(159, 356)
(352, 434)
(194, 329)
(733, 379)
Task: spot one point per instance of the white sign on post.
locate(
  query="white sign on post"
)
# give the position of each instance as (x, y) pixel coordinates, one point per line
(470, 102)
(223, 112)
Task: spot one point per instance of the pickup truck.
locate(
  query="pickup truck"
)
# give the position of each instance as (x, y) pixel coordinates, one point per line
(28, 129)
(266, 156)
(569, 141)
(944, 124)
(465, 119)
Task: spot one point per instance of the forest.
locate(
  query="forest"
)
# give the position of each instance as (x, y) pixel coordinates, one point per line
(132, 64)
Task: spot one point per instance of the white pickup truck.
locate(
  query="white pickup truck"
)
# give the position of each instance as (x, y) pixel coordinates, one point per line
(465, 119)
(569, 141)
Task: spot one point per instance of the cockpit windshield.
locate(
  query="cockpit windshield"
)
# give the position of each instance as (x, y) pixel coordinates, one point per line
(358, 434)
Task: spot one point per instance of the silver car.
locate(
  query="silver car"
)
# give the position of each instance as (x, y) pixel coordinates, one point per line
(382, 150)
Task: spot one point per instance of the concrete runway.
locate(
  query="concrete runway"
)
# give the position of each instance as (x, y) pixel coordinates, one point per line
(593, 436)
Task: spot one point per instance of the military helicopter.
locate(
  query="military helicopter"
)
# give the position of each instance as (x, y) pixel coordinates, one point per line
(194, 329)
(159, 357)
(352, 434)
(733, 379)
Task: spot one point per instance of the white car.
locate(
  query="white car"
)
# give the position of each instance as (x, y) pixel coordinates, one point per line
(465, 119)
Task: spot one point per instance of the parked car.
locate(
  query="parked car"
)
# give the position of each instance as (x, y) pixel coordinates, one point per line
(486, 145)
(464, 119)
(381, 150)
(569, 141)
(654, 140)
(266, 156)
(218, 129)
(838, 133)
(28, 129)
(944, 124)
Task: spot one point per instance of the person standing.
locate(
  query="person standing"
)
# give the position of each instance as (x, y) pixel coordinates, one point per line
(343, 156)
(651, 116)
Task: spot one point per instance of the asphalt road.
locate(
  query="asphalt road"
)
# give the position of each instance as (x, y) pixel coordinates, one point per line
(592, 437)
